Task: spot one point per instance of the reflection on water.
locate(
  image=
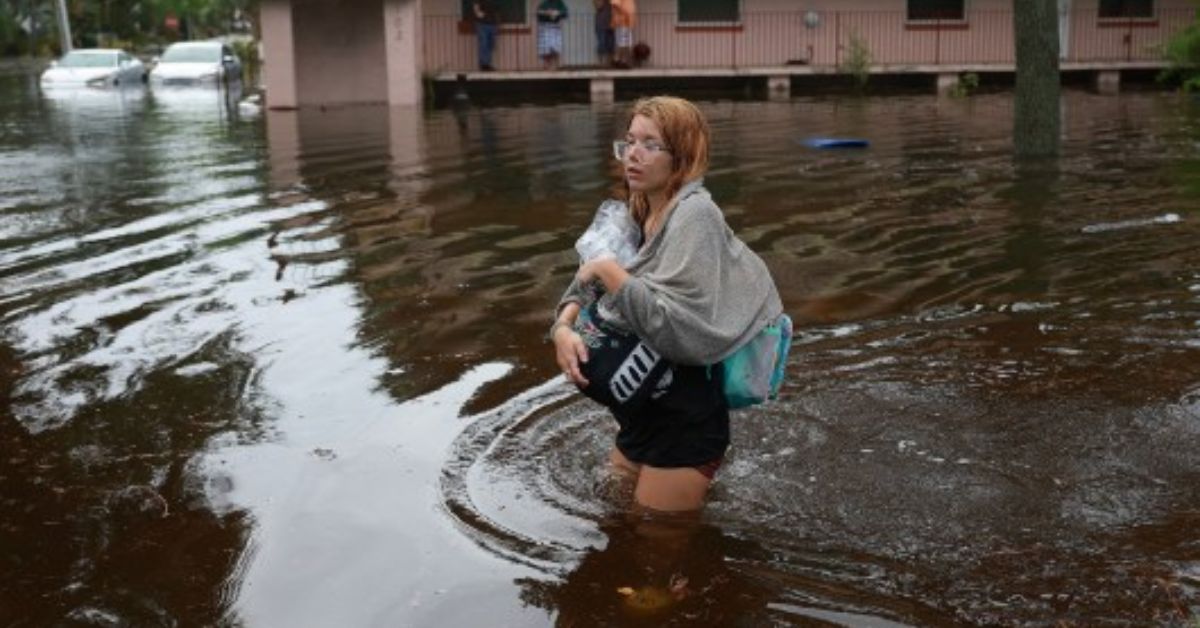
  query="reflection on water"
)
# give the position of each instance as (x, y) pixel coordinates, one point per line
(287, 370)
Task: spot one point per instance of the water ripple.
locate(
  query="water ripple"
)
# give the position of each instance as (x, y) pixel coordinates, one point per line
(992, 399)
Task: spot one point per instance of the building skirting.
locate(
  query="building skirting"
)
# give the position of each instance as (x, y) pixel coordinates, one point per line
(603, 84)
(787, 70)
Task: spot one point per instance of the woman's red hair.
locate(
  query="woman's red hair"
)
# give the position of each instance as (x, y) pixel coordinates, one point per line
(685, 132)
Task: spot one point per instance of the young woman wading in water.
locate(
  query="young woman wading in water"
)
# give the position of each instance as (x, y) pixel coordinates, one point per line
(647, 339)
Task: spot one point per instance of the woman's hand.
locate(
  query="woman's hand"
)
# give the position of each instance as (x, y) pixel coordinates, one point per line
(587, 273)
(570, 352)
(607, 270)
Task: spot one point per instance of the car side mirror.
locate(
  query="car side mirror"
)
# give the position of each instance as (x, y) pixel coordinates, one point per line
(54, 64)
(153, 60)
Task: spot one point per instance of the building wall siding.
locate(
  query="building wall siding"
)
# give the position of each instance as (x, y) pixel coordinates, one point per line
(775, 33)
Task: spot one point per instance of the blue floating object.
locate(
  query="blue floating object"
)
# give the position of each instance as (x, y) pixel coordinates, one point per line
(835, 142)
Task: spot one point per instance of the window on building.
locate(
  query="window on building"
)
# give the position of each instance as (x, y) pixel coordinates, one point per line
(936, 10)
(511, 11)
(1126, 8)
(710, 11)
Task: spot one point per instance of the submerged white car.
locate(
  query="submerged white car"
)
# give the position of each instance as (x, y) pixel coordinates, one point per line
(196, 63)
(95, 67)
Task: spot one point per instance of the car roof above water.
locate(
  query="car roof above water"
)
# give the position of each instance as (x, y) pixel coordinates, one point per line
(195, 44)
(95, 51)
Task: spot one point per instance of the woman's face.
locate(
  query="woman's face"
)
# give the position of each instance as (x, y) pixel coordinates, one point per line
(648, 159)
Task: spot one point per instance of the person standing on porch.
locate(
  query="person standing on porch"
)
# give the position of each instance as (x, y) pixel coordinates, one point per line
(486, 24)
(550, 14)
(624, 17)
(604, 31)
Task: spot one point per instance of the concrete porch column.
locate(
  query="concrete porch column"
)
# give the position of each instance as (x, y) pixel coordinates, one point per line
(1108, 81)
(947, 83)
(779, 87)
(402, 32)
(319, 53)
(603, 90)
(279, 54)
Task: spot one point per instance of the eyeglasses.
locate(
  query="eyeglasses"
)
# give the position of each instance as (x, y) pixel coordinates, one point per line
(621, 148)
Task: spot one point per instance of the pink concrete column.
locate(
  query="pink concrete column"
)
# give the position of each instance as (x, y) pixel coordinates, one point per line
(283, 143)
(279, 54)
(402, 34)
(412, 215)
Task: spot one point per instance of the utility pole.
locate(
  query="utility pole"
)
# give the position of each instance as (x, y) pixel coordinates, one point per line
(64, 25)
(31, 21)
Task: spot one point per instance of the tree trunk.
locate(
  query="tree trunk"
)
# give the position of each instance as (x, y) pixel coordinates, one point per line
(1036, 120)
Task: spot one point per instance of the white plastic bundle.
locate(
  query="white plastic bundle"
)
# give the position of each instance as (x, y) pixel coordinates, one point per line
(613, 233)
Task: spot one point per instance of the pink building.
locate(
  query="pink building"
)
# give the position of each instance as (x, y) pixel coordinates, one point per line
(385, 50)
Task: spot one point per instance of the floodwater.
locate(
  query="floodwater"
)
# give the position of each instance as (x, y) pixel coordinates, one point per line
(288, 370)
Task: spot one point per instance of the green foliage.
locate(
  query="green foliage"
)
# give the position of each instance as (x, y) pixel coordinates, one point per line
(14, 40)
(136, 24)
(858, 61)
(9, 30)
(1183, 53)
(1187, 172)
(246, 50)
(967, 84)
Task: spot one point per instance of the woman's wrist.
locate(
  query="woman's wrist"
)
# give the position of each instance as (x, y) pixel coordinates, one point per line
(558, 324)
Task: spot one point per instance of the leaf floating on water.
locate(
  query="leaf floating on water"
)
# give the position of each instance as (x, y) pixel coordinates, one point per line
(679, 586)
(648, 599)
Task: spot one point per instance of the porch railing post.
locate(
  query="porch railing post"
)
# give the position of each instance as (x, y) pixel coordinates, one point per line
(837, 39)
(937, 42)
(1129, 40)
(733, 47)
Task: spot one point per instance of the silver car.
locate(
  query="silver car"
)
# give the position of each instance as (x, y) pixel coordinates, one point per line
(94, 67)
(196, 63)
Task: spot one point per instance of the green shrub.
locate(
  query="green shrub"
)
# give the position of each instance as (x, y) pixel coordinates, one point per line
(1183, 54)
(858, 61)
(9, 32)
(246, 50)
(967, 84)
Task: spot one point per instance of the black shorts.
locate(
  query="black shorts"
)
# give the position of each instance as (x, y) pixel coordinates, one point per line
(686, 426)
(669, 415)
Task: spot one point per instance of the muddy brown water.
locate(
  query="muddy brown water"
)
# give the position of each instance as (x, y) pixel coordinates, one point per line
(287, 369)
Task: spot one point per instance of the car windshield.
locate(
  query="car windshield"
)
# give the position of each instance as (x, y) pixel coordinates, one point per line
(88, 60)
(192, 54)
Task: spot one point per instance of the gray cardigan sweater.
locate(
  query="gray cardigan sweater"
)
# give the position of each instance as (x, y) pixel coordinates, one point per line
(696, 292)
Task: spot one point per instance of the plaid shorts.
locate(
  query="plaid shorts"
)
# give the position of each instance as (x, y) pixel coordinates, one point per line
(624, 36)
(550, 39)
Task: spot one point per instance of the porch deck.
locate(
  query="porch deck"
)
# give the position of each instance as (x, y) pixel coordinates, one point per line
(602, 83)
(567, 74)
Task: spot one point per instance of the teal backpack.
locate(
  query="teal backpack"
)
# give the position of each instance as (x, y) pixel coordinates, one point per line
(754, 373)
